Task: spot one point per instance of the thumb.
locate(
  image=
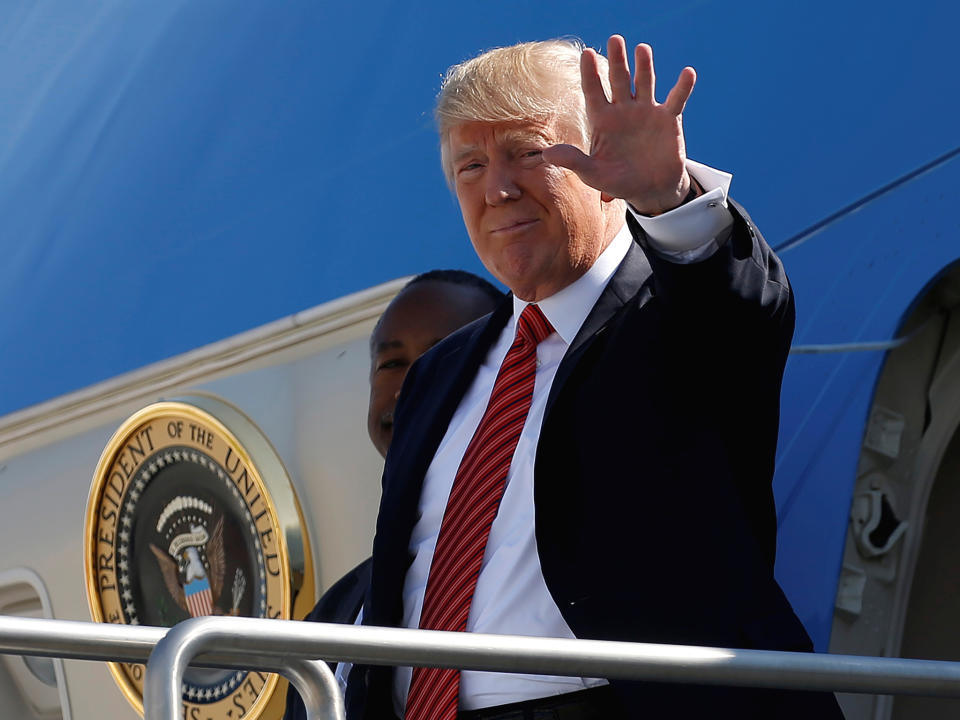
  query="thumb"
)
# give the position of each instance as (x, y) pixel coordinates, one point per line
(568, 156)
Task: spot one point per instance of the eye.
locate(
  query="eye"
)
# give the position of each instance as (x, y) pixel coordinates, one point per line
(391, 364)
(531, 157)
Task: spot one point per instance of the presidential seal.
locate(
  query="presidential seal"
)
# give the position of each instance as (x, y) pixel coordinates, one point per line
(190, 514)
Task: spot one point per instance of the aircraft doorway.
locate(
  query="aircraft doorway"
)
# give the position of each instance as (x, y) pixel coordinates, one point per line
(899, 588)
(931, 628)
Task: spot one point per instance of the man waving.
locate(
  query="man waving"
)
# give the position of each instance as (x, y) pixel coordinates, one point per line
(594, 460)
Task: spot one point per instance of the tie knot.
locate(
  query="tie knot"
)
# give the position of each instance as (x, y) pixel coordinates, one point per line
(533, 325)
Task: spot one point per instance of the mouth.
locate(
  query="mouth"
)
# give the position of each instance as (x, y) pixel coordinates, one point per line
(386, 421)
(515, 227)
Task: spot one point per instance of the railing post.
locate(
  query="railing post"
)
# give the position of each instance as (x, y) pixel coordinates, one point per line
(165, 668)
(171, 656)
(318, 688)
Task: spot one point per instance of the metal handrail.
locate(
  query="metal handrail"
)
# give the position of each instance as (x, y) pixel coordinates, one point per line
(546, 656)
(277, 646)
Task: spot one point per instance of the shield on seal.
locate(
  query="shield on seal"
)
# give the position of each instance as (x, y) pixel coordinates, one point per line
(199, 598)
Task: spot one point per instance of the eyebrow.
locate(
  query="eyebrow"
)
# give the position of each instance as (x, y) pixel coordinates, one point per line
(469, 150)
(387, 345)
(517, 135)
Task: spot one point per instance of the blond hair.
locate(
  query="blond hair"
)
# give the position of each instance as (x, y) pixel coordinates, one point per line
(538, 81)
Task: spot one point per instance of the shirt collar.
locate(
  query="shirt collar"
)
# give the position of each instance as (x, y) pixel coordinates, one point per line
(567, 309)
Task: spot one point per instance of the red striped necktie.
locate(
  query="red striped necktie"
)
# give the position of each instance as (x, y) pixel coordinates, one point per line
(471, 508)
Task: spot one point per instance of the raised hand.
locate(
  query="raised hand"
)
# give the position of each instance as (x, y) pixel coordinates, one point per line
(637, 151)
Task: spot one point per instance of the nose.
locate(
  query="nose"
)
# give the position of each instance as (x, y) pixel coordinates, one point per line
(501, 186)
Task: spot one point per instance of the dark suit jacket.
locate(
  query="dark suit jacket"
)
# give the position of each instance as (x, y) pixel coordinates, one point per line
(655, 517)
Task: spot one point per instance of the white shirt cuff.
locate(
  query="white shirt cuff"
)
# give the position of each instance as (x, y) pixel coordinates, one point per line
(689, 233)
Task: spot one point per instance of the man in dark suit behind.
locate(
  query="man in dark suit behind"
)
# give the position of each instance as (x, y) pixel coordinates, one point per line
(595, 459)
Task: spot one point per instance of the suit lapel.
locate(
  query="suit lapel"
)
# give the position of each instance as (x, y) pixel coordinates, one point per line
(629, 277)
(463, 359)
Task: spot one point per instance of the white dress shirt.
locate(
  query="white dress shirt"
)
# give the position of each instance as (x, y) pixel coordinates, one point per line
(511, 596)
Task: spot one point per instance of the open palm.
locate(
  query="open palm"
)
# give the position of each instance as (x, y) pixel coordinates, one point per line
(637, 150)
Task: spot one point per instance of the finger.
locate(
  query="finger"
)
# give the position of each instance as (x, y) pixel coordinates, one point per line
(677, 99)
(645, 81)
(620, 83)
(593, 94)
(570, 157)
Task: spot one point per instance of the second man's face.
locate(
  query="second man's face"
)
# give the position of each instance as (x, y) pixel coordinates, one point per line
(417, 319)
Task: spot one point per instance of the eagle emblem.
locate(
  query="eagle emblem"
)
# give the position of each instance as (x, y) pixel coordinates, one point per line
(193, 565)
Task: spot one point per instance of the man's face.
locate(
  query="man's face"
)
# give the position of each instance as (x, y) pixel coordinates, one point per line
(535, 226)
(417, 319)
